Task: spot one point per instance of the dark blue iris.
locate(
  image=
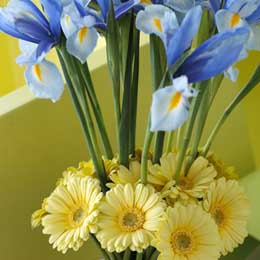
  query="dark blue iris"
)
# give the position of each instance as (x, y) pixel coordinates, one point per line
(23, 19)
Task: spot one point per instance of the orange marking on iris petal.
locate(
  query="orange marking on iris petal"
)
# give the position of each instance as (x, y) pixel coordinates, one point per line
(82, 33)
(175, 101)
(235, 19)
(147, 2)
(158, 24)
(37, 71)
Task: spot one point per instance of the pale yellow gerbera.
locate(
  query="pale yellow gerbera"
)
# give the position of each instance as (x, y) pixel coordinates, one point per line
(124, 175)
(71, 212)
(229, 207)
(84, 169)
(129, 215)
(196, 182)
(37, 216)
(161, 176)
(187, 233)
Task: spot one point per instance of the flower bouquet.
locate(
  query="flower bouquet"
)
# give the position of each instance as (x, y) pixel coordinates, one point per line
(172, 198)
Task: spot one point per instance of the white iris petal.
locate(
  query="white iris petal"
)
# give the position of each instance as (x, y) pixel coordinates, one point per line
(45, 80)
(170, 105)
(155, 18)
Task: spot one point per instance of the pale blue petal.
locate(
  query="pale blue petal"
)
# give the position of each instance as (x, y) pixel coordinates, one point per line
(150, 20)
(163, 116)
(82, 43)
(254, 38)
(224, 21)
(215, 5)
(243, 7)
(232, 73)
(184, 35)
(28, 50)
(67, 25)
(45, 80)
(180, 5)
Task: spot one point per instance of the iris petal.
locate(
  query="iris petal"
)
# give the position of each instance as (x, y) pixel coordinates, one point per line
(82, 42)
(45, 80)
(180, 5)
(170, 105)
(215, 55)
(54, 10)
(243, 7)
(183, 35)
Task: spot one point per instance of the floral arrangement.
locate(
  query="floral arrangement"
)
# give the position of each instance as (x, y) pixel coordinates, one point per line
(175, 200)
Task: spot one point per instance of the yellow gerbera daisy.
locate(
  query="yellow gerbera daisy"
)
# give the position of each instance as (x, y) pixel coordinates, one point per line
(229, 207)
(37, 216)
(193, 185)
(187, 233)
(71, 212)
(197, 180)
(129, 215)
(124, 175)
(161, 176)
(84, 169)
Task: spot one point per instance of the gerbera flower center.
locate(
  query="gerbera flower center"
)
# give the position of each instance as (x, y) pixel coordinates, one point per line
(218, 216)
(185, 183)
(131, 220)
(77, 216)
(181, 242)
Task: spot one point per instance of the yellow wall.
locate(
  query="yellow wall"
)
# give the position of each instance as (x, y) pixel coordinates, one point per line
(252, 103)
(11, 75)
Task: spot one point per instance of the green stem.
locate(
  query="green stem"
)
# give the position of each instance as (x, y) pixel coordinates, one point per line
(118, 256)
(157, 68)
(149, 252)
(85, 74)
(139, 256)
(127, 254)
(124, 130)
(134, 92)
(169, 143)
(82, 111)
(158, 147)
(202, 117)
(154, 255)
(77, 82)
(113, 62)
(147, 143)
(103, 252)
(158, 63)
(253, 82)
(188, 132)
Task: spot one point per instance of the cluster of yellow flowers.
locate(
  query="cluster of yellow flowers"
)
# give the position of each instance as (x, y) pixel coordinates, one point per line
(202, 216)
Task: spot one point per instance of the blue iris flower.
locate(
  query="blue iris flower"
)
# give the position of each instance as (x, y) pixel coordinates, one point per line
(236, 14)
(80, 23)
(38, 34)
(210, 59)
(23, 20)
